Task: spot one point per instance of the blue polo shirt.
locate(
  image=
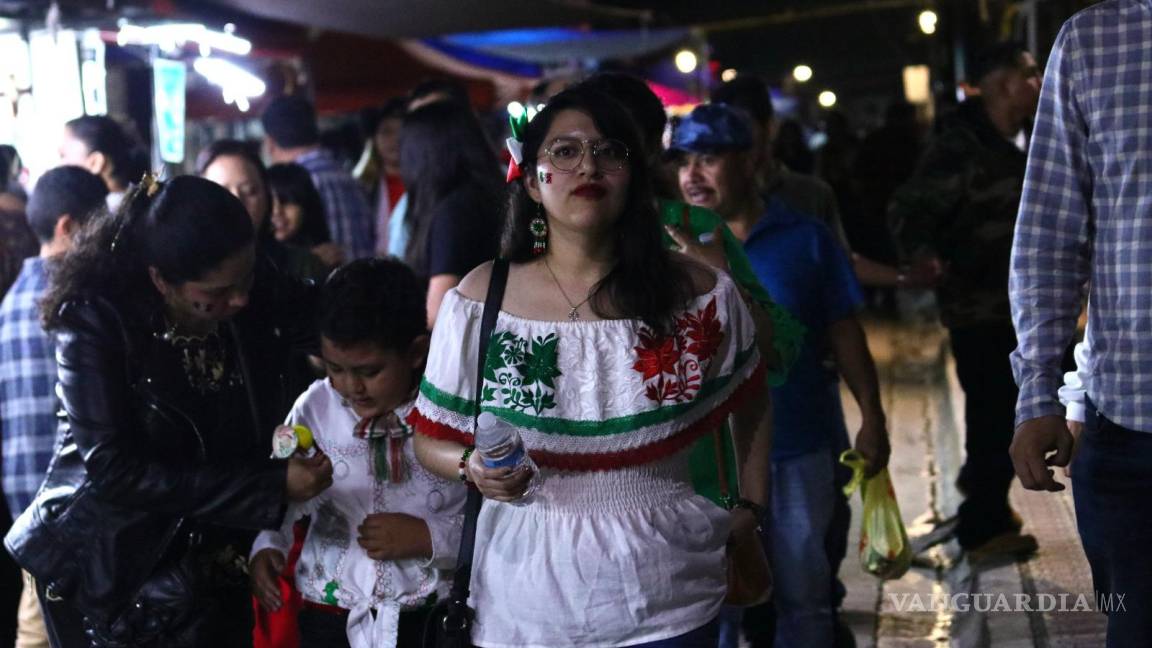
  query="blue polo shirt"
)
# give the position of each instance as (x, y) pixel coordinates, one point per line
(807, 272)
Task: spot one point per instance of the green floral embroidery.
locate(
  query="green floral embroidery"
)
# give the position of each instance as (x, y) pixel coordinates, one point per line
(523, 373)
(330, 592)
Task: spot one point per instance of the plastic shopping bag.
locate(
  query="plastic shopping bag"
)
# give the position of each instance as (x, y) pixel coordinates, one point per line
(884, 550)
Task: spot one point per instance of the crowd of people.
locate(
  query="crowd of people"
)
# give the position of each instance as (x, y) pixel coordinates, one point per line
(239, 408)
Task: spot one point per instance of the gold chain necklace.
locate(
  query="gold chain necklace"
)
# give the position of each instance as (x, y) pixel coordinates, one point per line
(573, 314)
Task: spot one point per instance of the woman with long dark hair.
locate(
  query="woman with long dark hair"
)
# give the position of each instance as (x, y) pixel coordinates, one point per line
(297, 208)
(235, 166)
(610, 356)
(453, 181)
(173, 342)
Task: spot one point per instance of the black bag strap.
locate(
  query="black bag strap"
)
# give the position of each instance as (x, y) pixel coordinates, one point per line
(463, 578)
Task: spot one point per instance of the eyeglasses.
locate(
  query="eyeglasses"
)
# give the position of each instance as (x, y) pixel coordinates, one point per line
(566, 153)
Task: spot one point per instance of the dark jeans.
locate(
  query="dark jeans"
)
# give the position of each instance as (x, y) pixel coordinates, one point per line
(982, 366)
(1112, 487)
(329, 629)
(760, 622)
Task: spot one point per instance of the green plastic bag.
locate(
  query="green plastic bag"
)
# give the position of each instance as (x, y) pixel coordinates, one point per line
(884, 550)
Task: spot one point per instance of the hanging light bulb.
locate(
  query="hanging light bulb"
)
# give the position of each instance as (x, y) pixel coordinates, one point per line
(927, 20)
(686, 61)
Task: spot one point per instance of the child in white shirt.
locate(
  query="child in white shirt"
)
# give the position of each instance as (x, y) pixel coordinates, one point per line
(384, 536)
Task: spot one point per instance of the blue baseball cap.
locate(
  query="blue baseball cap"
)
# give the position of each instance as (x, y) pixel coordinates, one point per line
(712, 128)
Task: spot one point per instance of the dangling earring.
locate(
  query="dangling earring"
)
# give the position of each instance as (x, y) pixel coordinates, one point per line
(539, 229)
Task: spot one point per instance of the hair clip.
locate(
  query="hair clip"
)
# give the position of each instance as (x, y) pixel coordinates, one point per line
(148, 186)
(150, 183)
(515, 145)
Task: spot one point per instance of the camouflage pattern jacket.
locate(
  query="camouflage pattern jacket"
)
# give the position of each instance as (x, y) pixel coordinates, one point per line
(960, 205)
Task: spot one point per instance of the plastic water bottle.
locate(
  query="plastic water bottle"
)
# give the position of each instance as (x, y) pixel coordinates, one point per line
(499, 445)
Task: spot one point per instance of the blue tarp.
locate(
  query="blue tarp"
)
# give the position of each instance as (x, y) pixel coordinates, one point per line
(513, 47)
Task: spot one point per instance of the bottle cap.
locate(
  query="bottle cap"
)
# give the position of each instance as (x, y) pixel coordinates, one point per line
(486, 420)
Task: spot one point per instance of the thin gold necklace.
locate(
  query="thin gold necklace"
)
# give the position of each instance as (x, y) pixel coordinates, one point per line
(573, 314)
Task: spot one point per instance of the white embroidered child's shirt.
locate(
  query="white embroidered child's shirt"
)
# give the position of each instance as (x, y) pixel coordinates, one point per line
(333, 569)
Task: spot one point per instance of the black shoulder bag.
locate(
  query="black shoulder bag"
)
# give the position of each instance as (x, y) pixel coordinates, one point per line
(450, 623)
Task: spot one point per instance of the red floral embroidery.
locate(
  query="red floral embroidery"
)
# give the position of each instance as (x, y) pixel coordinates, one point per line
(673, 366)
(655, 356)
(703, 331)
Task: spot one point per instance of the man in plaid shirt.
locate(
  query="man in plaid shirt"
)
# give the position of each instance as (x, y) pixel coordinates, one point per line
(63, 201)
(292, 135)
(1086, 214)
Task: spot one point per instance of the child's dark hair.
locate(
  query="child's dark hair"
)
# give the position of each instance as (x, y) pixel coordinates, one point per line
(378, 301)
(64, 190)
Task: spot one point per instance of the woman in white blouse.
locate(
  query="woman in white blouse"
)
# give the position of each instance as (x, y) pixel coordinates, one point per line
(611, 355)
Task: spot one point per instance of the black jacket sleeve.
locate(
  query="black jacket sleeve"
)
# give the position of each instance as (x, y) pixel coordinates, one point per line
(121, 467)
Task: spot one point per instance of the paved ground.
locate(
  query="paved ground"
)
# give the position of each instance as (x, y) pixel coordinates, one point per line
(925, 413)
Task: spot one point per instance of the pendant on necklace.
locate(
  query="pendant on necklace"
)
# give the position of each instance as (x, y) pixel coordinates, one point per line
(573, 316)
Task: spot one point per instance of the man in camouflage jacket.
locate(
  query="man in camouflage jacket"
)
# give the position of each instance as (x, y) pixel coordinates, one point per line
(957, 213)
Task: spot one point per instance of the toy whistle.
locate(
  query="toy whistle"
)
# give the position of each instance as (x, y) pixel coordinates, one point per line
(288, 441)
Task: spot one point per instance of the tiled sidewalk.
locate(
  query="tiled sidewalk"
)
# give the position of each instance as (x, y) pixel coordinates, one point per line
(925, 416)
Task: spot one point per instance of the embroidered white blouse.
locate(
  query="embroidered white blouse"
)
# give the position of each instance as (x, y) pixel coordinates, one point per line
(615, 547)
(333, 569)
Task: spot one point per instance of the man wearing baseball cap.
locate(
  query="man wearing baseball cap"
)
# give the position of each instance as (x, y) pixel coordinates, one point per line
(808, 272)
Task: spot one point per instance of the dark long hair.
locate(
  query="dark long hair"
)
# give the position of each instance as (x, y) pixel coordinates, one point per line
(185, 228)
(102, 134)
(443, 149)
(291, 183)
(645, 283)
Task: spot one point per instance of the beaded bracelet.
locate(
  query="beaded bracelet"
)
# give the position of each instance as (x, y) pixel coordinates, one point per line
(461, 468)
(757, 509)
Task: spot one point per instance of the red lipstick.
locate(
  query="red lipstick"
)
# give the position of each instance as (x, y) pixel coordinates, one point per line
(590, 190)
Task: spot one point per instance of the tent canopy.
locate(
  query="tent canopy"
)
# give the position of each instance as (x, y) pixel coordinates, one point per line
(557, 45)
(427, 18)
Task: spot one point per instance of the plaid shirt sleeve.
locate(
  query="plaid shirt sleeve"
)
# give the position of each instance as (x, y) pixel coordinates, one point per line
(1051, 252)
(349, 218)
(28, 402)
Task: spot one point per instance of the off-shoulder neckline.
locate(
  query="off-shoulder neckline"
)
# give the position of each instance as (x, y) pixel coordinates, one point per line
(723, 281)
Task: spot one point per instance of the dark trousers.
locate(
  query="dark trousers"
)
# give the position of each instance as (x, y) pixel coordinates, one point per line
(705, 636)
(1112, 487)
(325, 628)
(11, 583)
(990, 392)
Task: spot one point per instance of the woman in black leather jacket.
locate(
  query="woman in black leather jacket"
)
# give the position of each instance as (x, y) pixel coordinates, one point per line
(173, 343)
